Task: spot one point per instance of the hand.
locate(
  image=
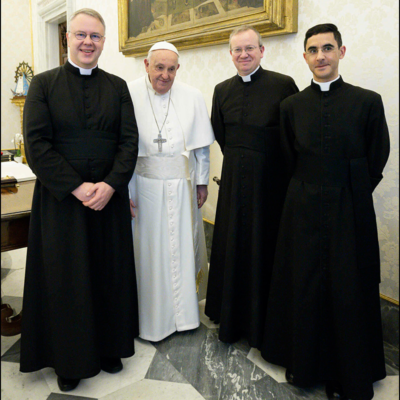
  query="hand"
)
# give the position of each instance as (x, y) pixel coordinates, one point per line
(132, 208)
(202, 194)
(81, 191)
(102, 194)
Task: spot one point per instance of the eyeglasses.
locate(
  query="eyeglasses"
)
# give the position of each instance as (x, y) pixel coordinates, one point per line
(313, 51)
(247, 49)
(96, 37)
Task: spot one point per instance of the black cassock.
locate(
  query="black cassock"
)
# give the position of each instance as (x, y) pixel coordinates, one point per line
(323, 320)
(80, 297)
(245, 119)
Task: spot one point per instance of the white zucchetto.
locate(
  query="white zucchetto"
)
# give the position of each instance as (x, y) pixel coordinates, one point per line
(164, 46)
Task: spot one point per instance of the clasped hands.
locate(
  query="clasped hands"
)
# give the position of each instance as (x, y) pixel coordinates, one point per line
(94, 195)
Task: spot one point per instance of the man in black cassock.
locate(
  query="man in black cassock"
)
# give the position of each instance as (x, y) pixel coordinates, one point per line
(323, 321)
(80, 298)
(245, 119)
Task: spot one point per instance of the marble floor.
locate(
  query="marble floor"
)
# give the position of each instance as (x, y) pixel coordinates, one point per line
(192, 365)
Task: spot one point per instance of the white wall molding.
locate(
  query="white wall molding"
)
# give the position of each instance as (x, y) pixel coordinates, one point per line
(46, 15)
(50, 10)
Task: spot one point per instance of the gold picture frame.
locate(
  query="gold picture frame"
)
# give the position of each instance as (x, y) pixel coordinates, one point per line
(198, 23)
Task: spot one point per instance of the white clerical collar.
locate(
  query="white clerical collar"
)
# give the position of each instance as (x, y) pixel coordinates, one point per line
(325, 85)
(247, 78)
(83, 71)
(150, 86)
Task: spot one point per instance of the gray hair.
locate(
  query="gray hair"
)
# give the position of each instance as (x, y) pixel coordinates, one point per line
(244, 28)
(91, 13)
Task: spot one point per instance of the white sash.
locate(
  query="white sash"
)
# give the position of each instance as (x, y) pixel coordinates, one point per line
(163, 167)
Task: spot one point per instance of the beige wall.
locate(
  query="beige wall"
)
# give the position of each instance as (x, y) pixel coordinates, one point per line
(15, 48)
(370, 33)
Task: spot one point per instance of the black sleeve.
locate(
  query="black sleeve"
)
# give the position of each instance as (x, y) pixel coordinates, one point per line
(291, 88)
(377, 137)
(127, 151)
(51, 169)
(217, 121)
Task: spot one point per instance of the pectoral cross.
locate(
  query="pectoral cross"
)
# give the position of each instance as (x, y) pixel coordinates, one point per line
(160, 141)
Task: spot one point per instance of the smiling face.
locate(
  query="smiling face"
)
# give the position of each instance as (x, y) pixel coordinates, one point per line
(85, 53)
(324, 66)
(246, 63)
(162, 68)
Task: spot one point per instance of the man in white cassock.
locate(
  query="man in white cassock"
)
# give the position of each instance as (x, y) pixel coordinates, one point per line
(168, 188)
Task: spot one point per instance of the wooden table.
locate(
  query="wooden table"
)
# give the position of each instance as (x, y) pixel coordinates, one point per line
(15, 215)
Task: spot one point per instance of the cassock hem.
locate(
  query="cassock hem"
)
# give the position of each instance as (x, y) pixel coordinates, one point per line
(83, 376)
(163, 336)
(188, 327)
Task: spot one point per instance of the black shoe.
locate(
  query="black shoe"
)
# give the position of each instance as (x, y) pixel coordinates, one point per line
(112, 365)
(66, 384)
(334, 391)
(289, 377)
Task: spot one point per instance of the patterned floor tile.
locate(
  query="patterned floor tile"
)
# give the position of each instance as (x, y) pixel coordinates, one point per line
(7, 342)
(12, 355)
(192, 365)
(135, 369)
(59, 396)
(5, 272)
(147, 389)
(387, 389)
(14, 259)
(215, 369)
(390, 371)
(18, 386)
(242, 345)
(269, 388)
(391, 355)
(274, 371)
(13, 283)
(162, 370)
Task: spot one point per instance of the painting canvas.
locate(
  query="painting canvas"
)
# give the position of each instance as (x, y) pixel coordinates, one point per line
(194, 23)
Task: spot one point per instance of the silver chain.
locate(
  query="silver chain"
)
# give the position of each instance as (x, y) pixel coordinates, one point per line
(154, 115)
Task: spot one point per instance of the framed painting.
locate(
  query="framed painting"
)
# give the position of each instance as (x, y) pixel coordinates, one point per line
(198, 23)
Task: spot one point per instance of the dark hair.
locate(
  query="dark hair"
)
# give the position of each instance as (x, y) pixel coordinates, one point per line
(324, 28)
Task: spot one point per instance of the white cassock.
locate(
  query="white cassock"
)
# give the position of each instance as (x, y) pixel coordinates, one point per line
(168, 233)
